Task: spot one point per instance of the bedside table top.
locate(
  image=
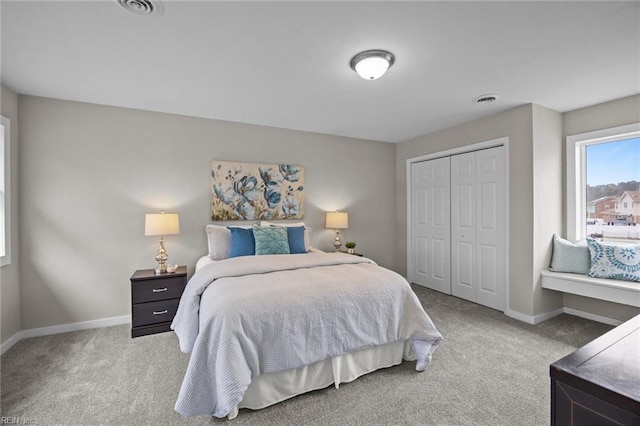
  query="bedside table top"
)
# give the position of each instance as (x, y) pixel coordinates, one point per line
(149, 274)
(352, 254)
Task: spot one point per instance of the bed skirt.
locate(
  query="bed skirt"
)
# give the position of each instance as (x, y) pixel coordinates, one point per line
(271, 388)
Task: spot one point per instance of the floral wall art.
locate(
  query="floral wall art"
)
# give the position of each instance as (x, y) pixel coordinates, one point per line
(250, 191)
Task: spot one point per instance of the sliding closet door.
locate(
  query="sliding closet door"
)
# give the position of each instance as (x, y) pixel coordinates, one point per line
(430, 216)
(477, 227)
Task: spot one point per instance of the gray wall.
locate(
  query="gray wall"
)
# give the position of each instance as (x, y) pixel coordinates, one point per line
(525, 256)
(548, 197)
(9, 274)
(89, 173)
(602, 116)
(536, 191)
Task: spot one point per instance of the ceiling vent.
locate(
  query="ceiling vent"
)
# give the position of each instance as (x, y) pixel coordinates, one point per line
(486, 99)
(142, 7)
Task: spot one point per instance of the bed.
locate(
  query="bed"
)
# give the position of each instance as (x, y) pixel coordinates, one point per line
(261, 329)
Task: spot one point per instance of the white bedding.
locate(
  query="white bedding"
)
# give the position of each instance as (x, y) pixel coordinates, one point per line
(249, 316)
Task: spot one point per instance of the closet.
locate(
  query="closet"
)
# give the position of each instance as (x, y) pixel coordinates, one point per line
(457, 225)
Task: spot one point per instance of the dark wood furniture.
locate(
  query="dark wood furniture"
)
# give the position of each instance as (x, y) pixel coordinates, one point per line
(599, 384)
(155, 299)
(353, 254)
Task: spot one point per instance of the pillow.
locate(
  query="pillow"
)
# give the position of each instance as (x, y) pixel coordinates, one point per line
(616, 261)
(295, 235)
(307, 230)
(219, 241)
(569, 257)
(271, 240)
(242, 242)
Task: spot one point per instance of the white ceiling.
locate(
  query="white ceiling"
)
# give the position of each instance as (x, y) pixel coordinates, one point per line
(286, 64)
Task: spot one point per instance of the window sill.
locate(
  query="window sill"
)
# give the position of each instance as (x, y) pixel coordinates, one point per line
(617, 291)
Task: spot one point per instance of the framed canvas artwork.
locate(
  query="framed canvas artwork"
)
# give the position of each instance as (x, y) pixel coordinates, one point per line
(252, 191)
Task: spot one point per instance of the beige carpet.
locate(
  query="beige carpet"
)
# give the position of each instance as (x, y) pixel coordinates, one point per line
(490, 370)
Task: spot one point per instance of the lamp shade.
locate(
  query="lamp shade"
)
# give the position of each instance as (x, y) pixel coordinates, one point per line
(337, 220)
(161, 224)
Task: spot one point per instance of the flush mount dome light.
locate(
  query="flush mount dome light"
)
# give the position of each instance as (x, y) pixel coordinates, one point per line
(372, 64)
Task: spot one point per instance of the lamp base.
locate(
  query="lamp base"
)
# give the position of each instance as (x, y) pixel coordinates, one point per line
(337, 242)
(161, 258)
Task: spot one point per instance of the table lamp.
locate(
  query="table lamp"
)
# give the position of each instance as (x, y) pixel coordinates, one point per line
(337, 220)
(161, 224)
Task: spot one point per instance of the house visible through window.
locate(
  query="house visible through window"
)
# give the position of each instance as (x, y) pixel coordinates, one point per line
(603, 184)
(5, 220)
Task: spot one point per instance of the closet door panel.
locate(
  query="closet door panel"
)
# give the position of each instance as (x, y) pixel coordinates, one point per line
(487, 274)
(463, 224)
(431, 239)
(490, 223)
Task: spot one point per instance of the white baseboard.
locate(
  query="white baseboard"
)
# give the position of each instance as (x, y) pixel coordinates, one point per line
(530, 319)
(537, 319)
(592, 317)
(8, 344)
(63, 328)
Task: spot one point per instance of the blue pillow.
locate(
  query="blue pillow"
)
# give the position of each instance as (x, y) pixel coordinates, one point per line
(242, 242)
(296, 239)
(270, 240)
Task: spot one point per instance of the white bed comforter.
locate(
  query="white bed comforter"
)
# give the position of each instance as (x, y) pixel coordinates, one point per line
(246, 316)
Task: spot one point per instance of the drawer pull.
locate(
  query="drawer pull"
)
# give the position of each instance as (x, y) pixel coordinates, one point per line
(159, 290)
(160, 312)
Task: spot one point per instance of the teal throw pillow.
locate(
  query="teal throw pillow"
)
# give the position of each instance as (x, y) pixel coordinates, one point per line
(271, 240)
(570, 257)
(615, 261)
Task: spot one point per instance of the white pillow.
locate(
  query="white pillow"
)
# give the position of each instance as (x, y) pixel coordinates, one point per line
(307, 230)
(219, 241)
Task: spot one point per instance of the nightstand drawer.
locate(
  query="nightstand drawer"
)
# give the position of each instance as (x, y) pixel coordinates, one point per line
(154, 312)
(157, 289)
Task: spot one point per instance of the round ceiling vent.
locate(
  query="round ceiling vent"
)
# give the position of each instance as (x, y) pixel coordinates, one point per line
(142, 7)
(486, 99)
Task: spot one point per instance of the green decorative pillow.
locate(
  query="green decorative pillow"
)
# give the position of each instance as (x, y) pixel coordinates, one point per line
(570, 257)
(271, 240)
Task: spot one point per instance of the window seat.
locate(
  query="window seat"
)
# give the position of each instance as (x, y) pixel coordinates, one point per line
(618, 291)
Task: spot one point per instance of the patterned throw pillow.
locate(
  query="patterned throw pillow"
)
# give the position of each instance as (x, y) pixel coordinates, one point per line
(620, 262)
(271, 240)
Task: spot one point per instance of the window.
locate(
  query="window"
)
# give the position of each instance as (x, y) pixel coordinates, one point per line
(603, 163)
(5, 209)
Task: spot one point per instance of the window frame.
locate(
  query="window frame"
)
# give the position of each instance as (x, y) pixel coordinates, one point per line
(5, 157)
(576, 178)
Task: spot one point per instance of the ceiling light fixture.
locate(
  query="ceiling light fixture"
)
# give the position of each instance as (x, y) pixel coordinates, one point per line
(372, 64)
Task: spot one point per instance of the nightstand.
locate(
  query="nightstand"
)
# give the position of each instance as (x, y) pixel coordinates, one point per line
(353, 254)
(154, 300)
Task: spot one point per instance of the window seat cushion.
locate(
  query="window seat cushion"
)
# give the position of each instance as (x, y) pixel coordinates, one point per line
(617, 291)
